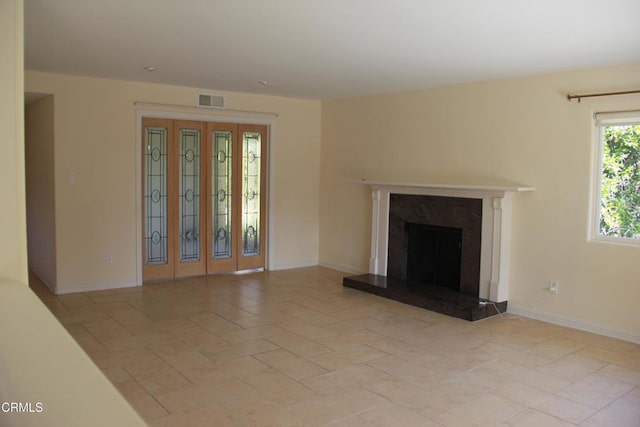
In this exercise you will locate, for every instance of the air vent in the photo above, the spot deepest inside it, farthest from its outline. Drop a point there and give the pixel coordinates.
(210, 100)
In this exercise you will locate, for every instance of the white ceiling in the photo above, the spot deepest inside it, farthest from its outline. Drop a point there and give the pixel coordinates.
(326, 49)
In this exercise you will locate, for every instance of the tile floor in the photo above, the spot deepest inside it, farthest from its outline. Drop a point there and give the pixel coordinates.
(292, 348)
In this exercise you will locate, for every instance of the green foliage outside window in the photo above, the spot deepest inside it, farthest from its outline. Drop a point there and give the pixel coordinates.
(620, 187)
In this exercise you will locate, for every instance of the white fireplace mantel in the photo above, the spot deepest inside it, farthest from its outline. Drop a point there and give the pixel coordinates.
(496, 227)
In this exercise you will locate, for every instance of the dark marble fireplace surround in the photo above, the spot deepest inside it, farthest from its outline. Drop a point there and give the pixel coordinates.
(463, 214)
(451, 212)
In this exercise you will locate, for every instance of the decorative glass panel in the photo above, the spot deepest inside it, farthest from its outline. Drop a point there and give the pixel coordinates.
(155, 195)
(221, 195)
(251, 159)
(189, 196)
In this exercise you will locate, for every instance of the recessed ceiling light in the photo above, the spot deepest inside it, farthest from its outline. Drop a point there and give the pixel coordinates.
(150, 69)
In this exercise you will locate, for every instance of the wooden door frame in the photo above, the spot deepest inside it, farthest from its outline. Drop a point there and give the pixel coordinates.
(257, 119)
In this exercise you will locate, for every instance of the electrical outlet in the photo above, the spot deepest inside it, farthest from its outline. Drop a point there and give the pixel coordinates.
(553, 287)
(108, 259)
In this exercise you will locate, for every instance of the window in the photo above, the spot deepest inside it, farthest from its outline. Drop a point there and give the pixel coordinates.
(617, 178)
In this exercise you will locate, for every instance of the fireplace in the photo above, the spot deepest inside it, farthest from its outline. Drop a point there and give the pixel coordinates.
(440, 247)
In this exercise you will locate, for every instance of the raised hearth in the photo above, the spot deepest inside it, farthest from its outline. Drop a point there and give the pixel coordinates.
(436, 298)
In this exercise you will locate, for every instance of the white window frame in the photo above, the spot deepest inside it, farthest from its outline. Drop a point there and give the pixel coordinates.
(601, 120)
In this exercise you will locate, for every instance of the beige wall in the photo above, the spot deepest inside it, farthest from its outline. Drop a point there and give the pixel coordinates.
(13, 249)
(95, 140)
(41, 226)
(520, 130)
(39, 361)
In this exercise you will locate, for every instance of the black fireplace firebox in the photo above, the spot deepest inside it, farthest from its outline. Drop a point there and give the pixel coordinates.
(433, 255)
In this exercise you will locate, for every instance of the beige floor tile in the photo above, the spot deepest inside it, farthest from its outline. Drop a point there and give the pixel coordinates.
(544, 382)
(180, 355)
(225, 369)
(623, 374)
(521, 393)
(468, 385)
(458, 343)
(405, 370)
(358, 311)
(263, 320)
(299, 345)
(514, 341)
(326, 409)
(620, 413)
(127, 315)
(250, 334)
(350, 339)
(486, 410)
(572, 367)
(391, 415)
(162, 381)
(104, 330)
(633, 396)
(532, 418)
(351, 376)
(139, 341)
(316, 305)
(564, 409)
(256, 410)
(411, 353)
(307, 330)
(214, 323)
(291, 364)
(596, 390)
(520, 357)
(555, 349)
(412, 336)
(352, 325)
(410, 396)
(627, 359)
(346, 357)
(190, 398)
(212, 415)
(241, 349)
(279, 387)
(352, 421)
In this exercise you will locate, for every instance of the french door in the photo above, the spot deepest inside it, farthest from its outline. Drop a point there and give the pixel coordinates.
(203, 197)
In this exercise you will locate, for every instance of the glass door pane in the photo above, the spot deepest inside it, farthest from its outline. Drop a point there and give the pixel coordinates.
(251, 193)
(155, 195)
(189, 196)
(222, 194)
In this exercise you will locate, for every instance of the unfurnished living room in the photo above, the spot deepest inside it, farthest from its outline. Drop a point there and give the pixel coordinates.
(329, 213)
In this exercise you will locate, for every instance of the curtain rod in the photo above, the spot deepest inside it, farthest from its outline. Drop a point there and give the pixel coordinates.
(194, 107)
(591, 95)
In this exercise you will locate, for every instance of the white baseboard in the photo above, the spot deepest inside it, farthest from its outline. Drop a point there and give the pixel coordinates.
(339, 267)
(573, 323)
(61, 290)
